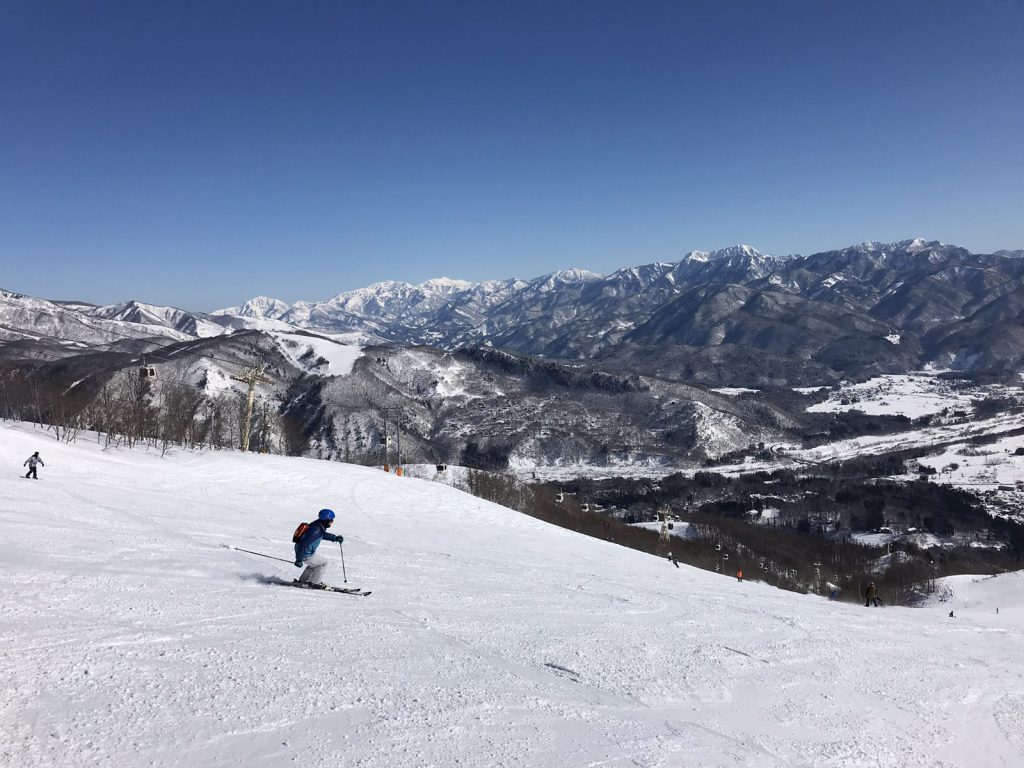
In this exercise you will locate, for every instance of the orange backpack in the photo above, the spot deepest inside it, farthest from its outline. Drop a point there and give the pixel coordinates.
(300, 532)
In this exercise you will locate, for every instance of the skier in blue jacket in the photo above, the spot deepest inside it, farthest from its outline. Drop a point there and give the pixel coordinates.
(305, 549)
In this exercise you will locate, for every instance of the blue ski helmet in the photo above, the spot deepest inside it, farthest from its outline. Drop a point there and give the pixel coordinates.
(326, 514)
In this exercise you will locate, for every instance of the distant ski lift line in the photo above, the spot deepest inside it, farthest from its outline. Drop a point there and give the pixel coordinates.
(208, 357)
(142, 359)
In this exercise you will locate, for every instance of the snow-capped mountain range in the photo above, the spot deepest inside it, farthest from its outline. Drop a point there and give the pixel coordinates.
(732, 316)
(837, 311)
(58, 329)
(453, 313)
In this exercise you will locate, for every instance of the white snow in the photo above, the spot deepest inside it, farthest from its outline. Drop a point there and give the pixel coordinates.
(446, 284)
(994, 465)
(718, 432)
(733, 391)
(978, 597)
(809, 390)
(131, 637)
(910, 395)
(832, 280)
(265, 324)
(875, 444)
(305, 351)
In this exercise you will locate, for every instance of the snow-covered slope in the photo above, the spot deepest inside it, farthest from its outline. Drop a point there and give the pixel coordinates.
(318, 354)
(259, 307)
(982, 597)
(130, 636)
(149, 314)
(26, 318)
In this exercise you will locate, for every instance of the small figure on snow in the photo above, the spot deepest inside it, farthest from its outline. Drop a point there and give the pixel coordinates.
(307, 538)
(872, 594)
(739, 575)
(31, 462)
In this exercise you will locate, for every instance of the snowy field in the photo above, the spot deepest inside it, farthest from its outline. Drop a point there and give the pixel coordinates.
(977, 466)
(911, 395)
(129, 636)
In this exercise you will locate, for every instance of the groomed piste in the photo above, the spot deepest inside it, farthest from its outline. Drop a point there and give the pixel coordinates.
(131, 636)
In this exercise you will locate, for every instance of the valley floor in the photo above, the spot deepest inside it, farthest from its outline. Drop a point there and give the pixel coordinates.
(129, 636)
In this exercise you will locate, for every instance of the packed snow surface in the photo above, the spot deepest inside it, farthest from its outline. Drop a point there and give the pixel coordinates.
(982, 596)
(130, 636)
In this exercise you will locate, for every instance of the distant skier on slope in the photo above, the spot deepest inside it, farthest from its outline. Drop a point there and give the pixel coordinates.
(31, 462)
(871, 594)
(307, 538)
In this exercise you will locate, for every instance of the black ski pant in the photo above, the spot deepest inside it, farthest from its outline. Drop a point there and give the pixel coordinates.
(32, 473)
(868, 602)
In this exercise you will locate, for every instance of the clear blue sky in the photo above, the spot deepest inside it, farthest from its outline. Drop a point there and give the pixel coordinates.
(201, 153)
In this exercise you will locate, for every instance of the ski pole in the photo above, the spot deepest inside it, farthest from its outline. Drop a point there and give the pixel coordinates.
(249, 551)
(345, 575)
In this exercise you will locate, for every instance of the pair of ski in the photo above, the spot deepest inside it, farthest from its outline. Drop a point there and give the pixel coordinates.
(355, 591)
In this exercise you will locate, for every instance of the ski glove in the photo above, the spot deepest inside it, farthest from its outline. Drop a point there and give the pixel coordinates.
(298, 563)
(341, 539)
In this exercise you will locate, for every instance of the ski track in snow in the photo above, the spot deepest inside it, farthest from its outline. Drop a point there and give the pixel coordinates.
(131, 636)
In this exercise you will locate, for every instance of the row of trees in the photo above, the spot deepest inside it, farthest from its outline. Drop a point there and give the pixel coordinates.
(315, 417)
(128, 409)
(822, 500)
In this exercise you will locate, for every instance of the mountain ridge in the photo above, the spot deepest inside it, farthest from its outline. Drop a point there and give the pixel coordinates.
(920, 290)
(734, 316)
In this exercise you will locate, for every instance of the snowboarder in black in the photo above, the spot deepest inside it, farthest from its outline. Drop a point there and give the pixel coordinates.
(32, 461)
(872, 594)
